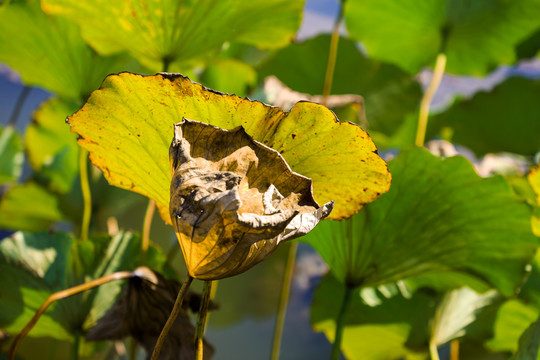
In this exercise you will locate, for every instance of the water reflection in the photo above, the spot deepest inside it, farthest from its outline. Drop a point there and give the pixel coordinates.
(243, 329)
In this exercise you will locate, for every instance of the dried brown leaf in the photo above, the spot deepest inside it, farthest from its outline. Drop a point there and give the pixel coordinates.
(233, 200)
(143, 309)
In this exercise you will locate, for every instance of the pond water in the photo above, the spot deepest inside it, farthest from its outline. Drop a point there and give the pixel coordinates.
(251, 336)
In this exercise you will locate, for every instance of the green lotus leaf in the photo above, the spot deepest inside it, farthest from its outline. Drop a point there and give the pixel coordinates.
(48, 51)
(504, 119)
(475, 35)
(158, 33)
(457, 310)
(389, 93)
(52, 150)
(29, 207)
(439, 215)
(127, 127)
(443, 281)
(529, 343)
(530, 47)
(11, 155)
(394, 328)
(230, 76)
(530, 291)
(513, 319)
(39, 264)
(34, 265)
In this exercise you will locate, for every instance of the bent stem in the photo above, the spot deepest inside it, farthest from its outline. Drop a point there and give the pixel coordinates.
(454, 349)
(172, 317)
(62, 295)
(332, 56)
(21, 99)
(87, 196)
(433, 352)
(283, 301)
(340, 323)
(147, 224)
(76, 345)
(203, 317)
(436, 78)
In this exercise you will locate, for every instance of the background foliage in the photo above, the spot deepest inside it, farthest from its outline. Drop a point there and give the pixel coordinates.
(445, 260)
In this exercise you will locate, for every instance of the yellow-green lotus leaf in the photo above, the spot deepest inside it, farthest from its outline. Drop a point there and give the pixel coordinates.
(127, 127)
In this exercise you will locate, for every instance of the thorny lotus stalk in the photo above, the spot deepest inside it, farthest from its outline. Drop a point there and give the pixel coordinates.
(234, 200)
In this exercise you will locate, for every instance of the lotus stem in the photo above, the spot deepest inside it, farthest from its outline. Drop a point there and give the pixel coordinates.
(433, 351)
(21, 99)
(425, 103)
(332, 56)
(147, 225)
(340, 323)
(62, 295)
(87, 196)
(203, 317)
(283, 301)
(454, 349)
(172, 317)
(76, 345)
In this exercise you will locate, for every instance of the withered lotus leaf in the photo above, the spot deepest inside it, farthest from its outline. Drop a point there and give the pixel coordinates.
(142, 310)
(234, 200)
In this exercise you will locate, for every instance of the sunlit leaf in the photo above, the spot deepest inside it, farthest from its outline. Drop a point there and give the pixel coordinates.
(456, 311)
(28, 207)
(513, 319)
(475, 35)
(34, 265)
(127, 126)
(396, 328)
(39, 264)
(11, 155)
(505, 119)
(229, 76)
(160, 32)
(439, 215)
(389, 93)
(52, 150)
(49, 52)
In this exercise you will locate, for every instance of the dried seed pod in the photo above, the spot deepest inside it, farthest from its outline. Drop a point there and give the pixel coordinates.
(234, 200)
